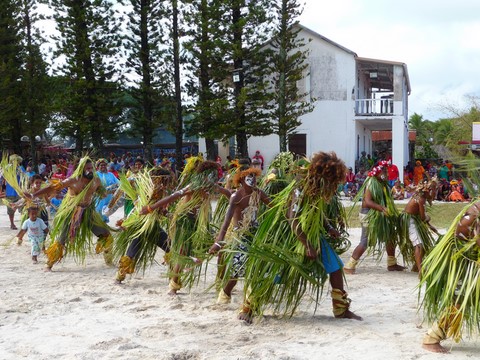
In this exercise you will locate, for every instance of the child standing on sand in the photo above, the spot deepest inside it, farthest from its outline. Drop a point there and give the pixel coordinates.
(36, 229)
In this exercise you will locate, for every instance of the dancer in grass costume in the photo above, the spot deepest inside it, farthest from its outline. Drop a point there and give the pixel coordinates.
(379, 219)
(293, 251)
(76, 218)
(137, 244)
(237, 231)
(415, 228)
(189, 229)
(451, 281)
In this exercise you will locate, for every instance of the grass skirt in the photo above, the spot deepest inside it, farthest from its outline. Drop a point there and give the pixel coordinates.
(451, 278)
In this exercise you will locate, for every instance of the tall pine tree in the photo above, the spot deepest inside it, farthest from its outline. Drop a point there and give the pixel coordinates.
(249, 29)
(287, 68)
(11, 92)
(208, 70)
(35, 79)
(89, 41)
(147, 61)
(175, 36)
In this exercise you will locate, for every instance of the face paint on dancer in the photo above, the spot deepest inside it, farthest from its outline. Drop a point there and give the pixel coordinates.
(250, 180)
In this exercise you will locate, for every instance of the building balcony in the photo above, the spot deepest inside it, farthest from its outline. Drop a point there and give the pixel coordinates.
(374, 107)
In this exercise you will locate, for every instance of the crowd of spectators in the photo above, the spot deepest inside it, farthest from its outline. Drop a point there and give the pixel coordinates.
(450, 185)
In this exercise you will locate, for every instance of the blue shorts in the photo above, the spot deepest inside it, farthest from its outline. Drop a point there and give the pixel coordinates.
(331, 261)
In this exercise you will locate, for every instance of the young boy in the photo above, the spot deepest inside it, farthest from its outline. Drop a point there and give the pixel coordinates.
(414, 222)
(36, 230)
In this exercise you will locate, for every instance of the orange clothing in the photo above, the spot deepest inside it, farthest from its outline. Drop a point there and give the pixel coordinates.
(455, 195)
(418, 172)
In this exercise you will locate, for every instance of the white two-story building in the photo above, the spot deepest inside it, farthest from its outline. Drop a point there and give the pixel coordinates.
(353, 97)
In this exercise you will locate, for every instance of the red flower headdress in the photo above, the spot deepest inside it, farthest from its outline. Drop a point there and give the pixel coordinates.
(378, 169)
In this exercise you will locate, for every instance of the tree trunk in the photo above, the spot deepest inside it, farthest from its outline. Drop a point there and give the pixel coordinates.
(146, 88)
(211, 151)
(282, 130)
(241, 135)
(178, 90)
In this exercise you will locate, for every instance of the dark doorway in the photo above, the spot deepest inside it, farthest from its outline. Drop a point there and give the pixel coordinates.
(297, 144)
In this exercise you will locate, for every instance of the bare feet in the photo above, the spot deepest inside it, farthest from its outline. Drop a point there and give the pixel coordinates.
(13, 227)
(48, 269)
(34, 260)
(396, 267)
(349, 271)
(349, 315)
(172, 292)
(246, 315)
(437, 348)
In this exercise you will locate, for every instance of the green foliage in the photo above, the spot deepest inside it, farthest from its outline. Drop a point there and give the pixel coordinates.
(287, 67)
(88, 42)
(148, 63)
(35, 81)
(205, 50)
(443, 131)
(248, 27)
(462, 129)
(425, 136)
(11, 86)
(450, 132)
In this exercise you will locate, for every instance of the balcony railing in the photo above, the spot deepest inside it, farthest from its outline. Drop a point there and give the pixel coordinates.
(374, 107)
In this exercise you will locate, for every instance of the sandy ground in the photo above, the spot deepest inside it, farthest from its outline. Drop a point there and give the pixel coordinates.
(78, 312)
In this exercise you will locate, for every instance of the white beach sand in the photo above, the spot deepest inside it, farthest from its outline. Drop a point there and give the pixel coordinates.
(78, 312)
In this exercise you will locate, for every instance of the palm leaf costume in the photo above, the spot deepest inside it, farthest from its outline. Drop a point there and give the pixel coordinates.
(424, 232)
(137, 244)
(74, 224)
(452, 285)
(412, 228)
(382, 229)
(19, 181)
(190, 230)
(279, 174)
(278, 272)
(15, 178)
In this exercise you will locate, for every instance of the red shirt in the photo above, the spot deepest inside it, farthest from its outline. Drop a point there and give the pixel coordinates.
(350, 177)
(58, 176)
(393, 172)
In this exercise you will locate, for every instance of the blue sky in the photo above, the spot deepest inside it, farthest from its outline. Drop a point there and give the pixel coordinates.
(438, 40)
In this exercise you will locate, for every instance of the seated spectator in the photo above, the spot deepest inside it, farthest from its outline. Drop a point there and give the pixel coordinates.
(349, 181)
(353, 191)
(398, 193)
(360, 177)
(455, 192)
